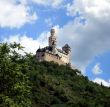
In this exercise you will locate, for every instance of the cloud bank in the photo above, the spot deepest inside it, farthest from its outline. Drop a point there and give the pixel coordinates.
(102, 81)
(87, 39)
(15, 14)
(30, 45)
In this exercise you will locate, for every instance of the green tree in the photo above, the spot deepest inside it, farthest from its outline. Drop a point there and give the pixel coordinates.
(14, 84)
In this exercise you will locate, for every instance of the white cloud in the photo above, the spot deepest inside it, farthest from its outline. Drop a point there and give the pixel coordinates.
(30, 44)
(96, 69)
(86, 41)
(95, 8)
(102, 81)
(14, 14)
(91, 39)
(52, 3)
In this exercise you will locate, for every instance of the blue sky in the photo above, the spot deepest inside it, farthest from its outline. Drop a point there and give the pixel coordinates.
(83, 24)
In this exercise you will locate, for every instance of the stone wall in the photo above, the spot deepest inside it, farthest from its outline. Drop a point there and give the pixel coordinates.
(50, 57)
(41, 56)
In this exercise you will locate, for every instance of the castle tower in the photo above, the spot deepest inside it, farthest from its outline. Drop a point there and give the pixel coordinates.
(66, 48)
(52, 53)
(52, 39)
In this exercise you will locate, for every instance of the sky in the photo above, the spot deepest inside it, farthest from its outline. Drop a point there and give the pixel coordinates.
(83, 24)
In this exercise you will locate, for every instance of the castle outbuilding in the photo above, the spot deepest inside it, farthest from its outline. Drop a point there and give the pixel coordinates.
(52, 53)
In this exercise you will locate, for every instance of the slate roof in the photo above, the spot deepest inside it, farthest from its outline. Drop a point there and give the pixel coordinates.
(67, 46)
(48, 48)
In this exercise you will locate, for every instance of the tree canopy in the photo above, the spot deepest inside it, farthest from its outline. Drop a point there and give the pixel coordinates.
(25, 82)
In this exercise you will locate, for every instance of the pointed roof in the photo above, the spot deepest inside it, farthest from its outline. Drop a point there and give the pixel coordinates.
(66, 46)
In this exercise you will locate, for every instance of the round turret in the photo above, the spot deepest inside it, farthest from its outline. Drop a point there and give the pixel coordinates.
(52, 38)
(52, 32)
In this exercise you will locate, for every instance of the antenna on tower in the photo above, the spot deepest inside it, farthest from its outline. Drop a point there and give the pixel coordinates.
(39, 46)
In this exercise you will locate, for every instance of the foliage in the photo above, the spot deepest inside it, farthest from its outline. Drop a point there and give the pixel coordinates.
(25, 82)
(14, 83)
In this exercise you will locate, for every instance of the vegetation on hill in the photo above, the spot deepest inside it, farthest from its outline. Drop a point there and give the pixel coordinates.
(25, 82)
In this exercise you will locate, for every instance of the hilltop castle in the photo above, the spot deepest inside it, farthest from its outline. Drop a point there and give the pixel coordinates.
(52, 53)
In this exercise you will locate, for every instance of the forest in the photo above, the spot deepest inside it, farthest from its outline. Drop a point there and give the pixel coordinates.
(25, 82)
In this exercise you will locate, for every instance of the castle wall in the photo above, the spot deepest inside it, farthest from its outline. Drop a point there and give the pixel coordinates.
(40, 56)
(64, 58)
(44, 56)
(50, 57)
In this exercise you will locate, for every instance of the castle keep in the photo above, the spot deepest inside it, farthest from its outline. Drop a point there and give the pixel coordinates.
(52, 53)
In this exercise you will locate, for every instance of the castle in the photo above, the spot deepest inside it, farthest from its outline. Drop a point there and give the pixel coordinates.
(52, 53)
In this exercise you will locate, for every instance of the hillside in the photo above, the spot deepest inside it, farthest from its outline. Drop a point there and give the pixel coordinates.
(25, 82)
